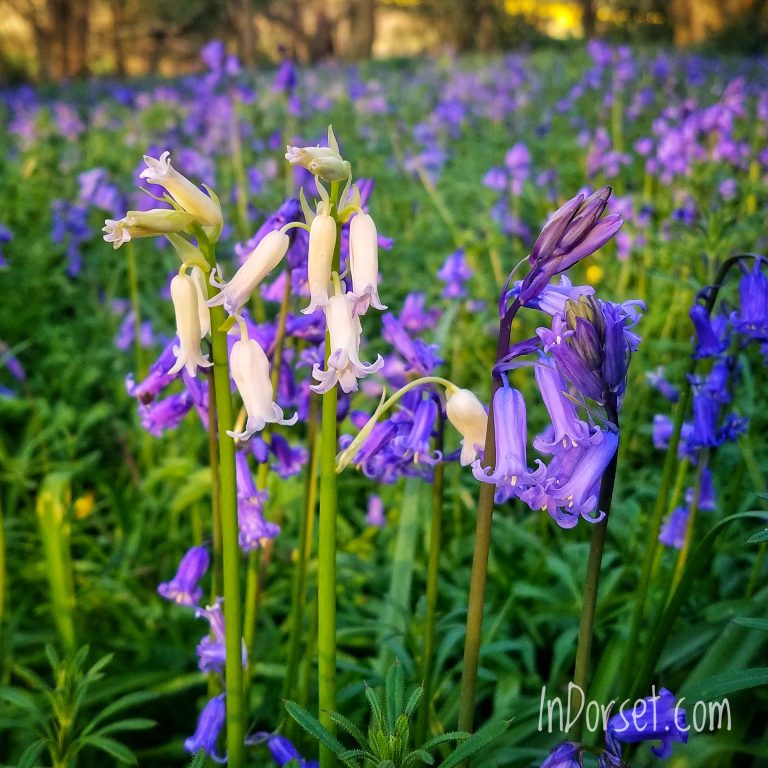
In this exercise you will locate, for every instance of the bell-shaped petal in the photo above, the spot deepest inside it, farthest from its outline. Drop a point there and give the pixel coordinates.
(209, 727)
(189, 196)
(364, 262)
(250, 370)
(324, 162)
(344, 365)
(568, 429)
(158, 221)
(322, 241)
(184, 294)
(468, 416)
(259, 263)
(183, 588)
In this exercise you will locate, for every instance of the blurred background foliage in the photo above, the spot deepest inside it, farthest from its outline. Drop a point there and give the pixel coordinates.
(61, 39)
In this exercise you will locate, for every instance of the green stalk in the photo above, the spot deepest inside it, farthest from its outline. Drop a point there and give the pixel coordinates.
(3, 573)
(589, 605)
(233, 671)
(682, 556)
(52, 502)
(398, 602)
(433, 573)
(299, 582)
(326, 561)
(217, 577)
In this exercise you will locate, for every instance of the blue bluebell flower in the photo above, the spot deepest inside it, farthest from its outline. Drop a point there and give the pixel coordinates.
(751, 318)
(454, 274)
(566, 755)
(283, 751)
(672, 533)
(183, 588)
(209, 726)
(568, 429)
(711, 333)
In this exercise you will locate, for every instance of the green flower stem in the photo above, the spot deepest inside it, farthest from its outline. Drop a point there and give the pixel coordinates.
(258, 559)
(217, 577)
(3, 572)
(753, 468)
(482, 549)
(326, 576)
(589, 605)
(433, 573)
(233, 671)
(682, 556)
(670, 462)
(299, 581)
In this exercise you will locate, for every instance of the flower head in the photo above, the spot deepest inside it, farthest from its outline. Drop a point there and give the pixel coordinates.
(183, 588)
(364, 262)
(566, 755)
(209, 726)
(190, 198)
(324, 162)
(752, 316)
(322, 241)
(468, 415)
(185, 296)
(158, 221)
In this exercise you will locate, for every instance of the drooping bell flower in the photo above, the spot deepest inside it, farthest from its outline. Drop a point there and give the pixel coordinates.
(283, 752)
(344, 365)
(324, 162)
(415, 445)
(253, 529)
(707, 494)
(187, 195)
(752, 316)
(705, 415)
(364, 263)
(322, 241)
(209, 727)
(566, 755)
(250, 370)
(711, 333)
(212, 650)
(568, 429)
(577, 496)
(135, 224)
(656, 717)
(672, 533)
(204, 313)
(261, 261)
(183, 588)
(511, 432)
(185, 302)
(158, 416)
(420, 356)
(468, 416)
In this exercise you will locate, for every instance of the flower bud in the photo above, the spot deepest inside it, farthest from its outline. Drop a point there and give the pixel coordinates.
(158, 221)
(324, 162)
(189, 196)
(185, 301)
(322, 241)
(468, 415)
(364, 262)
(259, 263)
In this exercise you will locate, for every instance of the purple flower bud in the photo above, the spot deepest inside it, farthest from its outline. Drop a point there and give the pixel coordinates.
(209, 726)
(655, 717)
(183, 588)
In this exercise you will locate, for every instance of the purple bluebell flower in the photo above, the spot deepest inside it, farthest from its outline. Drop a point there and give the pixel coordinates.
(209, 727)
(566, 755)
(752, 316)
(552, 298)
(375, 515)
(656, 379)
(707, 494)
(254, 530)
(289, 461)
(283, 752)
(511, 435)
(655, 717)
(161, 415)
(672, 533)
(415, 445)
(5, 237)
(518, 161)
(183, 588)
(454, 274)
(11, 363)
(705, 415)
(568, 429)
(414, 316)
(211, 650)
(421, 357)
(711, 335)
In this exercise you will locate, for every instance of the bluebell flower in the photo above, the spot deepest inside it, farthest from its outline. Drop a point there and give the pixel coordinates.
(420, 356)
(414, 316)
(161, 415)
(566, 755)
(711, 333)
(254, 529)
(415, 445)
(568, 429)
(289, 461)
(183, 588)
(707, 494)
(752, 316)
(209, 727)
(672, 533)
(511, 432)
(454, 273)
(705, 416)
(656, 379)
(212, 650)
(655, 717)
(283, 752)
(375, 515)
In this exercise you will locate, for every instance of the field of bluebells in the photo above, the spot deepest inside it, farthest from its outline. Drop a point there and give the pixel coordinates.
(365, 451)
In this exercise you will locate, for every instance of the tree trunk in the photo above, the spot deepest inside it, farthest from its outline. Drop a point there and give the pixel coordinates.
(362, 17)
(588, 17)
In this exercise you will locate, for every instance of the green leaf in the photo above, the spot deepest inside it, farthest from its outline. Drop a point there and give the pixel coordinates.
(124, 702)
(131, 724)
(393, 694)
(199, 760)
(314, 727)
(759, 537)
(480, 740)
(350, 728)
(444, 737)
(414, 701)
(30, 755)
(351, 755)
(375, 704)
(761, 624)
(111, 747)
(730, 682)
(22, 701)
